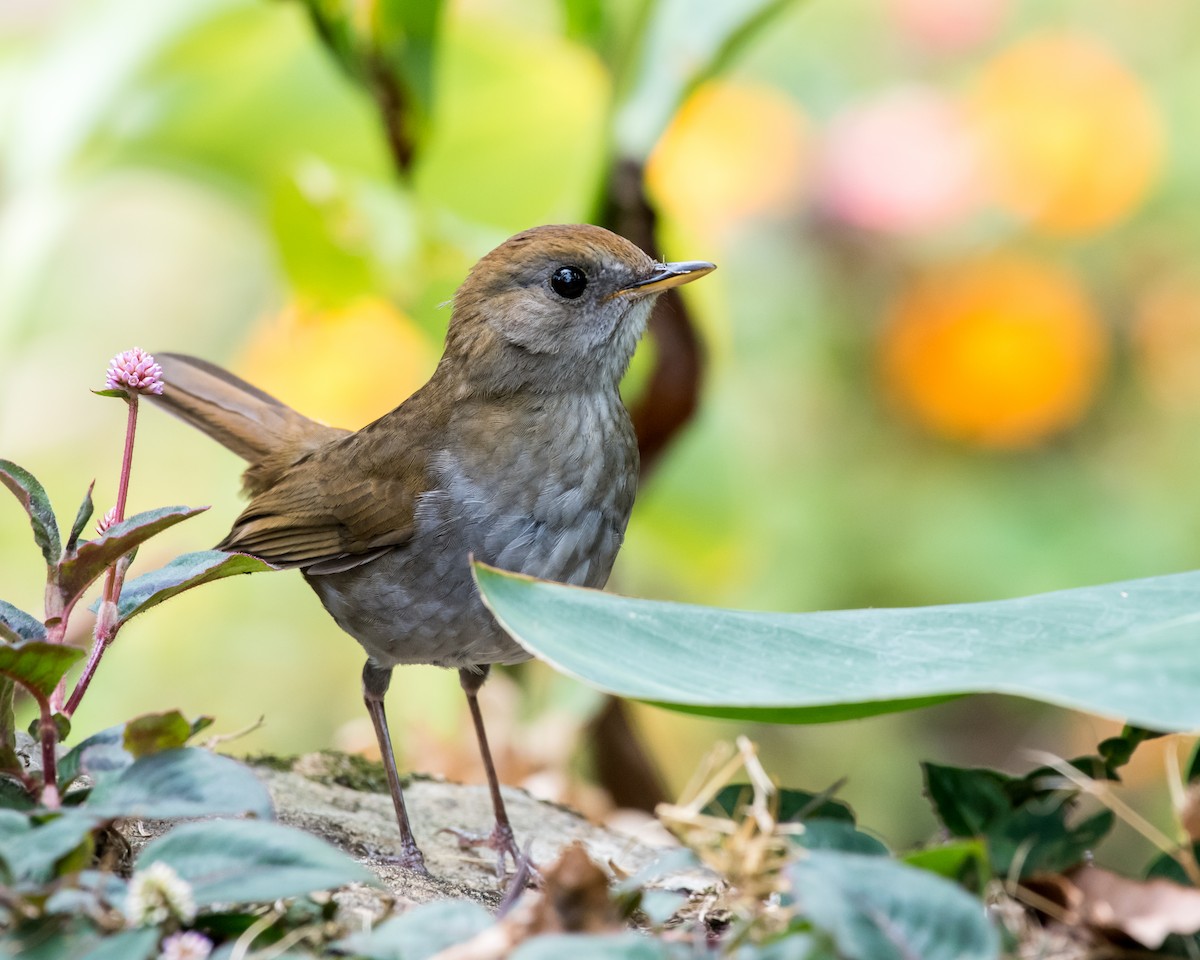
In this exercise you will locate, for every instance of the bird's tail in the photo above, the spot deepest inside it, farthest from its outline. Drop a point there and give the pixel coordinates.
(258, 428)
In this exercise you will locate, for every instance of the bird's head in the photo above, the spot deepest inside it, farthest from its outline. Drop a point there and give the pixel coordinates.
(557, 307)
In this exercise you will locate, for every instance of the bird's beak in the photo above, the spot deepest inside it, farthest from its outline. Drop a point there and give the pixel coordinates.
(666, 275)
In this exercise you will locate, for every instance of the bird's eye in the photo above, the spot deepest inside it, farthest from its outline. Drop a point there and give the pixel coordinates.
(569, 282)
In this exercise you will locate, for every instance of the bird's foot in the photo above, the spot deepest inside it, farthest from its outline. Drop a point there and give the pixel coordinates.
(409, 858)
(501, 840)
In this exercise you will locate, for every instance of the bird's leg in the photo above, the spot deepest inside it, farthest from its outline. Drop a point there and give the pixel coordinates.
(501, 838)
(375, 683)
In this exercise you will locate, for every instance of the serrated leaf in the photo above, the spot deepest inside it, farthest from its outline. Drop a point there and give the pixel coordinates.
(36, 665)
(17, 625)
(32, 496)
(966, 801)
(77, 572)
(249, 861)
(875, 908)
(421, 932)
(84, 514)
(1124, 649)
(183, 573)
(185, 782)
(155, 732)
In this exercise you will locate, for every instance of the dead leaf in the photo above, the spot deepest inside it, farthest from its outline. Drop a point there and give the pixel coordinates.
(1145, 910)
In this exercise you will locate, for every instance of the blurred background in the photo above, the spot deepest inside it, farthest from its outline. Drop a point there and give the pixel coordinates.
(952, 352)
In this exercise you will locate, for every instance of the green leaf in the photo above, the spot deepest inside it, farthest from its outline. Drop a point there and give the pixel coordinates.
(17, 625)
(1166, 867)
(397, 38)
(81, 517)
(967, 801)
(30, 849)
(155, 732)
(117, 393)
(32, 495)
(100, 756)
(127, 945)
(1125, 649)
(421, 932)
(36, 665)
(250, 861)
(13, 795)
(76, 572)
(965, 862)
(186, 782)
(875, 908)
(1036, 838)
(183, 573)
(579, 946)
(685, 43)
(821, 834)
(793, 805)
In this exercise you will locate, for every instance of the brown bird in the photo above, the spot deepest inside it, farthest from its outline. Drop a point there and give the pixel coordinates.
(518, 451)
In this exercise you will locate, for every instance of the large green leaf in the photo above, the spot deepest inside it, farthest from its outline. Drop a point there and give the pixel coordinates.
(37, 665)
(32, 496)
(183, 573)
(875, 908)
(250, 861)
(1127, 650)
(421, 932)
(76, 572)
(185, 782)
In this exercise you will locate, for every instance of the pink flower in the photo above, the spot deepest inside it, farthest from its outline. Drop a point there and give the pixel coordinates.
(186, 946)
(135, 371)
(904, 162)
(106, 521)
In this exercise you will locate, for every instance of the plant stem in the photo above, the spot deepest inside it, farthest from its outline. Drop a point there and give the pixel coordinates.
(107, 622)
(49, 736)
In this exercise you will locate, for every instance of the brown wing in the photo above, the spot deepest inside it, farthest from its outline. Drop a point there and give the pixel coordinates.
(346, 502)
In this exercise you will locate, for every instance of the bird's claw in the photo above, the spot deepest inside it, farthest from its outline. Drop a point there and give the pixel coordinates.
(501, 840)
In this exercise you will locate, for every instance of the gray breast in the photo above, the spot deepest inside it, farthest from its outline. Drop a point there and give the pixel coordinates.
(551, 502)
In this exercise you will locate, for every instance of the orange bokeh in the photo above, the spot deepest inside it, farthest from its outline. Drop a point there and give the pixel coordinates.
(1002, 352)
(344, 367)
(1166, 340)
(734, 150)
(1074, 141)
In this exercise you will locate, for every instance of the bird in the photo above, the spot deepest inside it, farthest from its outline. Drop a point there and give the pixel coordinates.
(518, 452)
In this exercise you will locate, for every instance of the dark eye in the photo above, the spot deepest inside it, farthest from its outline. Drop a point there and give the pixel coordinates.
(569, 282)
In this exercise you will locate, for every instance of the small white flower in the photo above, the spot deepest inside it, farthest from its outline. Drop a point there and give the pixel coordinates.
(186, 946)
(157, 893)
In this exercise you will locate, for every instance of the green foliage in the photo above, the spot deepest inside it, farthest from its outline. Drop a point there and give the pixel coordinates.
(874, 908)
(248, 861)
(420, 933)
(181, 574)
(1123, 649)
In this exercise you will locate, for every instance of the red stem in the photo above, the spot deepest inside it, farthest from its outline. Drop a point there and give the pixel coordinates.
(49, 733)
(106, 619)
